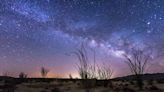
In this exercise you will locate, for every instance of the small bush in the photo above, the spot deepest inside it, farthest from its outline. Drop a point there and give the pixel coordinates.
(160, 81)
(78, 84)
(153, 88)
(150, 82)
(111, 85)
(56, 90)
(43, 91)
(126, 85)
(126, 89)
(22, 75)
(117, 89)
(9, 88)
(105, 90)
(88, 84)
(132, 82)
(68, 88)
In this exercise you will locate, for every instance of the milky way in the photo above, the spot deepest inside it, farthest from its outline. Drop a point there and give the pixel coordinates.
(35, 33)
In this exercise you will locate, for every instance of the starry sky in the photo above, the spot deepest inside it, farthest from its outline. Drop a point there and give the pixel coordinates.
(36, 33)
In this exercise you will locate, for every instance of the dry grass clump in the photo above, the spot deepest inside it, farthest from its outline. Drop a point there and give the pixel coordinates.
(160, 81)
(56, 90)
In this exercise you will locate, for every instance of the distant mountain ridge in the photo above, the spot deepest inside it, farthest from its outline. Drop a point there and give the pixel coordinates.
(6, 77)
(148, 76)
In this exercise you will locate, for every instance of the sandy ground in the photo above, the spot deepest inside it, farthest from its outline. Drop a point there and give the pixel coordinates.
(76, 86)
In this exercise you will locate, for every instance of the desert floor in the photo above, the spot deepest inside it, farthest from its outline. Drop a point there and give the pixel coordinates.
(78, 86)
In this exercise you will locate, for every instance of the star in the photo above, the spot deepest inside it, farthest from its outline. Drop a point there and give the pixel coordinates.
(148, 23)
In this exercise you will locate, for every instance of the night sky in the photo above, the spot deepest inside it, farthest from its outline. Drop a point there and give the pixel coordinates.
(36, 33)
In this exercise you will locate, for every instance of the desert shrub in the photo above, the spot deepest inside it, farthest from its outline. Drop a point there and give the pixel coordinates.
(150, 82)
(126, 85)
(126, 89)
(60, 84)
(78, 84)
(88, 84)
(117, 89)
(43, 91)
(137, 63)
(139, 82)
(123, 88)
(70, 76)
(9, 88)
(123, 81)
(132, 82)
(46, 88)
(98, 84)
(22, 75)
(56, 90)
(105, 90)
(160, 81)
(106, 83)
(153, 88)
(111, 84)
(68, 88)
(44, 72)
(89, 71)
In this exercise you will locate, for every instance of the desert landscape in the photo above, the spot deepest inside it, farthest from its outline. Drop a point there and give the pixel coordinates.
(81, 45)
(152, 83)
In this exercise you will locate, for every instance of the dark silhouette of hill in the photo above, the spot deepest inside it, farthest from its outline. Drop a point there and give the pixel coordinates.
(6, 78)
(154, 76)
